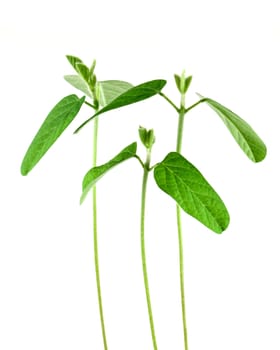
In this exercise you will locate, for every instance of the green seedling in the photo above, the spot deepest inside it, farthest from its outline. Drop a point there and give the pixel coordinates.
(175, 175)
(182, 181)
(194, 197)
(100, 97)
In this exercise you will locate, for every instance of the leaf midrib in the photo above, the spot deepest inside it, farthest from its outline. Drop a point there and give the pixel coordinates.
(193, 194)
(229, 121)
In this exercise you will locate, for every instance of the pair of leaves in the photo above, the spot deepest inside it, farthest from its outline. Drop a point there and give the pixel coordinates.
(114, 94)
(179, 179)
(182, 82)
(245, 136)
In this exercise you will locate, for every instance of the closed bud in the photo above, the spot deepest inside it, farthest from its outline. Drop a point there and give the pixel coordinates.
(182, 82)
(147, 137)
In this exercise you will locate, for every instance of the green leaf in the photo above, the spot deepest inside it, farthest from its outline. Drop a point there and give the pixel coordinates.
(53, 126)
(73, 60)
(183, 182)
(245, 136)
(94, 174)
(92, 67)
(178, 81)
(79, 83)
(133, 95)
(83, 71)
(187, 83)
(111, 89)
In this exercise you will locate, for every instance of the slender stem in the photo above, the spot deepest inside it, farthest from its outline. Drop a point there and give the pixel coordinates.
(95, 238)
(89, 104)
(180, 130)
(143, 252)
(169, 101)
(140, 160)
(195, 104)
(182, 113)
(182, 283)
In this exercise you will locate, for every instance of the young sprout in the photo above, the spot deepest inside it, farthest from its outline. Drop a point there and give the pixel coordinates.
(174, 175)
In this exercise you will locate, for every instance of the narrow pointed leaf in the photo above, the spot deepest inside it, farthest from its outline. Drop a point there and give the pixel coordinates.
(178, 81)
(187, 83)
(183, 182)
(79, 83)
(53, 126)
(135, 94)
(92, 67)
(111, 89)
(83, 70)
(245, 136)
(94, 174)
(73, 60)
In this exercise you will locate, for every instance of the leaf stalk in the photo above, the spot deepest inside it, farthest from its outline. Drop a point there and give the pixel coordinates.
(169, 101)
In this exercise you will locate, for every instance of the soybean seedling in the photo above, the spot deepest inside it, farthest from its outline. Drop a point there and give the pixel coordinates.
(214, 217)
(182, 181)
(198, 202)
(175, 175)
(100, 97)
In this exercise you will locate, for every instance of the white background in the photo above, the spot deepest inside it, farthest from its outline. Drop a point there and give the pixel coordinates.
(47, 286)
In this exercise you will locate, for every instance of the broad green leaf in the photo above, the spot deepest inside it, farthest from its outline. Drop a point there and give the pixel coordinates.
(73, 60)
(245, 136)
(94, 174)
(133, 95)
(110, 89)
(79, 83)
(183, 182)
(53, 126)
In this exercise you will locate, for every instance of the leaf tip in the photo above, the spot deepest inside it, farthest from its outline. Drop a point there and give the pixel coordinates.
(82, 198)
(262, 156)
(23, 171)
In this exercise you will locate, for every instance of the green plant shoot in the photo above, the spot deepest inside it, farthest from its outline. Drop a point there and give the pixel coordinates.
(174, 175)
(104, 96)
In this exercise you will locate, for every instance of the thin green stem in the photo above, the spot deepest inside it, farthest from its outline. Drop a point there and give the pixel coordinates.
(182, 282)
(140, 160)
(195, 104)
(169, 101)
(143, 252)
(180, 130)
(95, 238)
(182, 113)
(89, 104)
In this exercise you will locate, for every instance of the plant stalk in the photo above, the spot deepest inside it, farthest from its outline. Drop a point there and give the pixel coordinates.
(143, 252)
(95, 238)
(182, 113)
